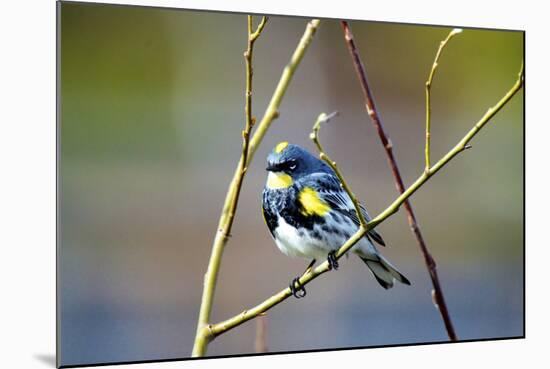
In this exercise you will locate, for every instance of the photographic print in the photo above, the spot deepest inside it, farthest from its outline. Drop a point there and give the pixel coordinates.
(239, 184)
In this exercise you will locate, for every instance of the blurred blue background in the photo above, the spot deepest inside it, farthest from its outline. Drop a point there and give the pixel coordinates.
(152, 106)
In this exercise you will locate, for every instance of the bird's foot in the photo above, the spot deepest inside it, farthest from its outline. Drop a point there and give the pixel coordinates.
(332, 261)
(297, 289)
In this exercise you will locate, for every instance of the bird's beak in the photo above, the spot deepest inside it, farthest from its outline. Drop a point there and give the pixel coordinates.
(271, 168)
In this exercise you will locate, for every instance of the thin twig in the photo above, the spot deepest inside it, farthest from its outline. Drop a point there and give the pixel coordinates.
(435, 64)
(314, 136)
(272, 110)
(249, 120)
(211, 331)
(386, 142)
(230, 204)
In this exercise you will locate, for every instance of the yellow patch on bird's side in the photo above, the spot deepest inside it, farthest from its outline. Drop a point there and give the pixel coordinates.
(280, 147)
(278, 180)
(311, 203)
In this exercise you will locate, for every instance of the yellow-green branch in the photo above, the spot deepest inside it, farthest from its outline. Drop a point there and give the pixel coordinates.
(209, 332)
(435, 64)
(231, 199)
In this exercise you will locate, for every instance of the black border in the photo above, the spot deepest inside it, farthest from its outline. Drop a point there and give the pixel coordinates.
(58, 4)
(57, 180)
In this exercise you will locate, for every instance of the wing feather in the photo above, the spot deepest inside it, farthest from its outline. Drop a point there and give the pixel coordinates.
(330, 190)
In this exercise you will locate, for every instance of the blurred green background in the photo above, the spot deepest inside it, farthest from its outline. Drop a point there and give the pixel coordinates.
(152, 105)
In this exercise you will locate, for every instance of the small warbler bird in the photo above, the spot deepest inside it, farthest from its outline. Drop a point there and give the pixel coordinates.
(310, 215)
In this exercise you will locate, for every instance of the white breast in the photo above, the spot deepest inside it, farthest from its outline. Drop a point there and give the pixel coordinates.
(292, 243)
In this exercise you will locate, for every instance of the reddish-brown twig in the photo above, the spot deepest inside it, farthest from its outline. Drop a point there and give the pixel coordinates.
(437, 292)
(260, 344)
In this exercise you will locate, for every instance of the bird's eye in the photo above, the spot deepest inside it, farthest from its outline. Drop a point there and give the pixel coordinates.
(292, 165)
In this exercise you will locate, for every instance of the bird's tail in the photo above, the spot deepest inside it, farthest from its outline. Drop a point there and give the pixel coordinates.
(383, 271)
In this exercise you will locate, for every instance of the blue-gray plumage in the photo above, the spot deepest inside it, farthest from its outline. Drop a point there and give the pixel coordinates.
(310, 215)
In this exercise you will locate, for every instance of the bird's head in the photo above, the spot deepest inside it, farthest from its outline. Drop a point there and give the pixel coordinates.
(287, 163)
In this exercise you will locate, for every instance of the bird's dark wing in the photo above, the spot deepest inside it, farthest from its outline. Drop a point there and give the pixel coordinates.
(330, 190)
